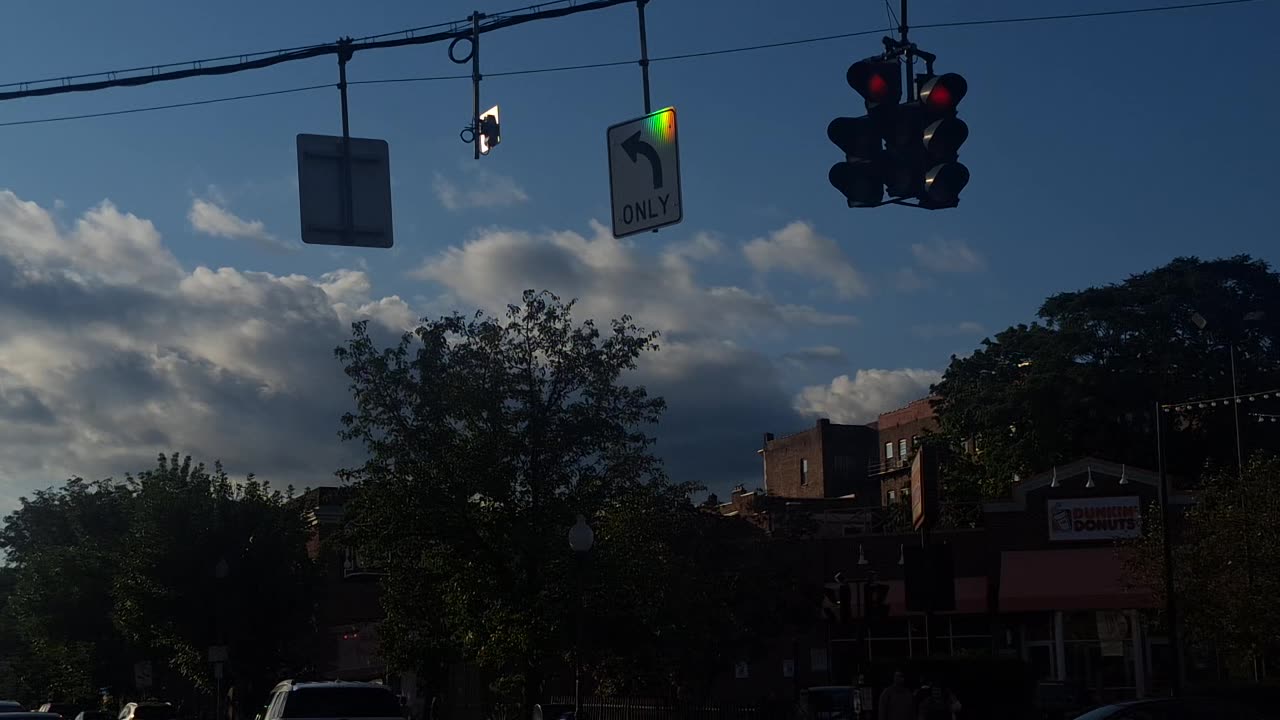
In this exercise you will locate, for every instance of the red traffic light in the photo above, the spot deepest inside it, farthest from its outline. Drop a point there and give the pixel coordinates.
(877, 81)
(943, 93)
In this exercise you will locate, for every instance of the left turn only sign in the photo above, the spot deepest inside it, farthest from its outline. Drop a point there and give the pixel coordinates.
(644, 173)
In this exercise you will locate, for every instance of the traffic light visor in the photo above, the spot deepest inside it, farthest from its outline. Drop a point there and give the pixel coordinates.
(877, 81)
(944, 92)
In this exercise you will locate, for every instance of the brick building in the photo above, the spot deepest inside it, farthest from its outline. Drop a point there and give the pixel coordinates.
(826, 461)
(899, 435)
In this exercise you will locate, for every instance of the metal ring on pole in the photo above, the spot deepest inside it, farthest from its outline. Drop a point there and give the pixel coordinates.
(468, 135)
(471, 49)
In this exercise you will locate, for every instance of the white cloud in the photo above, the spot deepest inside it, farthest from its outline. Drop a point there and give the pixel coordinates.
(478, 188)
(113, 352)
(211, 218)
(947, 256)
(798, 248)
(864, 396)
(930, 331)
(610, 278)
(720, 394)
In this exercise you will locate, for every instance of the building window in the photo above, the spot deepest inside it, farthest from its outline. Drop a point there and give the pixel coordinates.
(915, 441)
(892, 496)
(906, 492)
(902, 448)
(888, 451)
(804, 471)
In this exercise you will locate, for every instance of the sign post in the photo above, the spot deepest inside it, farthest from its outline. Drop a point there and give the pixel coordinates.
(644, 173)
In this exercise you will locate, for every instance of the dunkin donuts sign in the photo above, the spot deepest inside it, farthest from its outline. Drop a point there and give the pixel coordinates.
(1094, 518)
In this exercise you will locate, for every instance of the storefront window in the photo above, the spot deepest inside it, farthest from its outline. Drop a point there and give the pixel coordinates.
(1040, 658)
(1079, 626)
(890, 649)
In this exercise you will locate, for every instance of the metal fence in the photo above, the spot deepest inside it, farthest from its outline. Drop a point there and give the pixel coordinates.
(624, 708)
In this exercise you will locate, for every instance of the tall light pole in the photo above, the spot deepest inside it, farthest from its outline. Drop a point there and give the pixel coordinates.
(581, 538)
(1201, 323)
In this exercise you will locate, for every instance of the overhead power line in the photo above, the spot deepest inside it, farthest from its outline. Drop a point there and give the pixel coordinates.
(608, 64)
(264, 60)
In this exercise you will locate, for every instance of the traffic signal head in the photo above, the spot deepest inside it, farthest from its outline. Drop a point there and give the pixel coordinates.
(859, 178)
(879, 82)
(489, 133)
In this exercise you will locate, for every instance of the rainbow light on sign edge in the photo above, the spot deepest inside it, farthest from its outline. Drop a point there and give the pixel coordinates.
(662, 125)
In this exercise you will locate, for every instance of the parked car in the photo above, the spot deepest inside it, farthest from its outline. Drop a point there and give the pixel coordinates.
(11, 706)
(149, 710)
(29, 715)
(93, 715)
(66, 710)
(553, 711)
(1173, 709)
(293, 700)
(828, 702)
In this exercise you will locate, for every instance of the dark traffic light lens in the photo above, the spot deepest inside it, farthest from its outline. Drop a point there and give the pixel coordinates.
(943, 138)
(859, 182)
(942, 185)
(857, 137)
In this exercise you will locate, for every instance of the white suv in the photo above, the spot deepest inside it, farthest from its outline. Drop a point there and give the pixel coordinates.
(292, 700)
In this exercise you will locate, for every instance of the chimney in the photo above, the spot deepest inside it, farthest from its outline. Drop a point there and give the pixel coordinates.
(739, 490)
(824, 421)
(768, 438)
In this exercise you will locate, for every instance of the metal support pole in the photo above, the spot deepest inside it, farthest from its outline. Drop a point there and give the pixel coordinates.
(1235, 410)
(577, 643)
(348, 202)
(910, 57)
(644, 55)
(1166, 532)
(475, 79)
(925, 542)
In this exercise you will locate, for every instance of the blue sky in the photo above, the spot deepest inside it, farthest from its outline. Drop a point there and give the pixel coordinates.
(1098, 148)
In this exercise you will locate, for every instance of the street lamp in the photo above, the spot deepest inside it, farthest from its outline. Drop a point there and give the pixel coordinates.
(581, 538)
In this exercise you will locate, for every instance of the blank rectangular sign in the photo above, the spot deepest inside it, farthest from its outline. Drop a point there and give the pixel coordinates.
(320, 192)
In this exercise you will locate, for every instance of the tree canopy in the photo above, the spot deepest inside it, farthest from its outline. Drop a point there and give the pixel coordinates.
(156, 567)
(1086, 377)
(1226, 561)
(486, 437)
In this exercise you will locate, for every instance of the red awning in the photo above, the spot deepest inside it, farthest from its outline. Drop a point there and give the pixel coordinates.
(971, 596)
(1076, 579)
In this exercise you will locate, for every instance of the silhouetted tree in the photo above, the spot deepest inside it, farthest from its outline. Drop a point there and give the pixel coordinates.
(486, 437)
(1085, 379)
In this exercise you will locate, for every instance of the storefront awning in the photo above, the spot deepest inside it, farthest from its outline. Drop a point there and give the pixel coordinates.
(1075, 579)
(971, 596)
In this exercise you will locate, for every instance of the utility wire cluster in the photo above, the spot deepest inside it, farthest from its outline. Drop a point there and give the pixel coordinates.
(439, 32)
